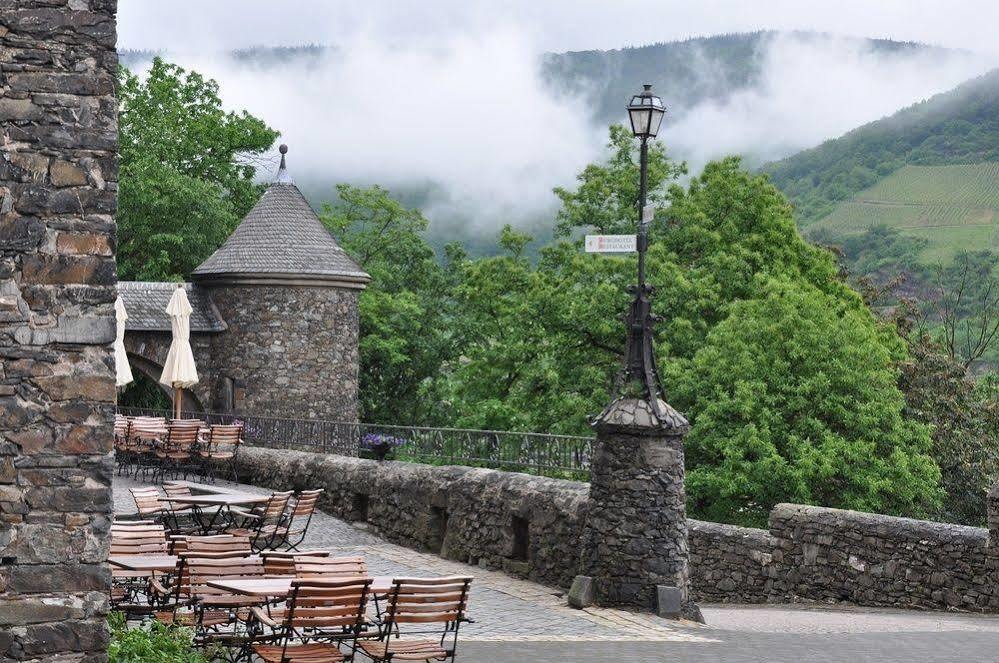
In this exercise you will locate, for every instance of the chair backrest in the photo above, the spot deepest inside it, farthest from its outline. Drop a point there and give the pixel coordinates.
(330, 567)
(147, 500)
(228, 434)
(282, 563)
(183, 432)
(147, 429)
(173, 490)
(327, 604)
(196, 572)
(138, 542)
(426, 600)
(219, 543)
(120, 427)
(275, 507)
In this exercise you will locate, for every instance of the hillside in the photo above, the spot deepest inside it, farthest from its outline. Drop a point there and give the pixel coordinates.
(685, 72)
(945, 208)
(956, 127)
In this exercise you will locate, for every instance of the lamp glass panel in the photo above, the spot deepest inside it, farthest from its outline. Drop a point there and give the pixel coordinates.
(655, 119)
(640, 120)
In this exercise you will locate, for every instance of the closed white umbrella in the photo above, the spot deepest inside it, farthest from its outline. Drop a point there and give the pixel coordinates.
(179, 370)
(123, 372)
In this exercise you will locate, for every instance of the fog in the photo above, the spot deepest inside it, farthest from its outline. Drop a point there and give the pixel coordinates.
(814, 88)
(468, 118)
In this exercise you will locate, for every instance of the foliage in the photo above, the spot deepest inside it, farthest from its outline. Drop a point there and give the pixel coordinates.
(606, 199)
(793, 398)
(186, 171)
(736, 284)
(153, 642)
(964, 419)
(405, 312)
(960, 126)
(966, 306)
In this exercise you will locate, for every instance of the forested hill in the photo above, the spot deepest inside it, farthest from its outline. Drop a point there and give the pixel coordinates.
(956, 127)
(685, 72)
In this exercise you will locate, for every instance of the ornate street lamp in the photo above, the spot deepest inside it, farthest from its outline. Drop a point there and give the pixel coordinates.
(646, 112)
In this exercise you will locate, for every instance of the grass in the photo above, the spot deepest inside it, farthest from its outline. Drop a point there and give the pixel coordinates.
(956, 208)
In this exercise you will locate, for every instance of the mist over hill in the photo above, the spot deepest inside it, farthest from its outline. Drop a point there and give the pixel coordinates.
(478, 129)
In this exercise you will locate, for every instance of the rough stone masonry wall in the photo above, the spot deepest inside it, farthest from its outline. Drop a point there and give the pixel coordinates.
(291, 351)
(531, 526)
(58, 174)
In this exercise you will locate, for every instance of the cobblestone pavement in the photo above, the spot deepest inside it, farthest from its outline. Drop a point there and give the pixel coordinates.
(523, 621)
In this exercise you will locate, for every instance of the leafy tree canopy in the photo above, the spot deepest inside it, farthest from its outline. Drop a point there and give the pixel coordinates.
(186, 171)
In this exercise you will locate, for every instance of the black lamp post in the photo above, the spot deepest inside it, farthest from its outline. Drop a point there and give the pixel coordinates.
(646, 112)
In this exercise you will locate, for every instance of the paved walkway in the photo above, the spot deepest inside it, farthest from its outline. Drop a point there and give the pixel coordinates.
(523, 621)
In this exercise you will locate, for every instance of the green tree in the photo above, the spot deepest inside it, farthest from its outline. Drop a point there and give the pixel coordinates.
(793, 397)
(404, 313)
(186, 171)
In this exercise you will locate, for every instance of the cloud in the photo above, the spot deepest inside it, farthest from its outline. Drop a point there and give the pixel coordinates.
(814, 88)
(469, 117)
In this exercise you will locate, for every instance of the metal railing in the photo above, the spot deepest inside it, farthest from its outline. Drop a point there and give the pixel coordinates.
(563, 456)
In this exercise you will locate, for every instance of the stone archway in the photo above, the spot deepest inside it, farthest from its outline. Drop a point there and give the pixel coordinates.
(152, 370)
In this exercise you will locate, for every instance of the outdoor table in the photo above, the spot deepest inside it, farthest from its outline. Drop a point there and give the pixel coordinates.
(281, 587)
(222, 500)
(165, 563)
(203, 488)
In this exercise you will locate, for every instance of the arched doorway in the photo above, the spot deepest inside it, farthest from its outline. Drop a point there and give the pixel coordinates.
(147, 392)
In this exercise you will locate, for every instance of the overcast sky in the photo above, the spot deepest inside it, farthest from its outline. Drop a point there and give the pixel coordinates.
(552, 25)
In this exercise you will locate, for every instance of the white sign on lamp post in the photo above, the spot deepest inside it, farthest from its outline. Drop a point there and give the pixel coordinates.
(611, 243)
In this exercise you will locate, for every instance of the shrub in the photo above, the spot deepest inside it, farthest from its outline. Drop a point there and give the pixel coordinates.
(152, 642)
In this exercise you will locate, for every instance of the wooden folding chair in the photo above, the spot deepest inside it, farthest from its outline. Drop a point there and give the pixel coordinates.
(214, 614)
(219, 446)
(300, 517)
(177, 453)
(421, 606)
(264, 525)
(129, 589)
(322, 616)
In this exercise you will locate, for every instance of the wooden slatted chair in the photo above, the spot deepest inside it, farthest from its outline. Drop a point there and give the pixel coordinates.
(321, 615)
(149, 505)
(219, 544)
(122, 452)
(213, 613)
(220, 447)
(178, 453)
(129, 588)
(145, 436)
(293, 533)
(282, 562)
(264, 525)
(421, 606)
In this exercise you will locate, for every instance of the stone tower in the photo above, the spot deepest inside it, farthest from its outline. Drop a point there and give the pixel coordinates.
(288, 293)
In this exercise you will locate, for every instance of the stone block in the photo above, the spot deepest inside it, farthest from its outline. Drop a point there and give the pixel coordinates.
(65, 173)
(669, 601)
(581, 594)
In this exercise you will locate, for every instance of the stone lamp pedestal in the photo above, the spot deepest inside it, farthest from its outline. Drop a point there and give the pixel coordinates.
(634, 549)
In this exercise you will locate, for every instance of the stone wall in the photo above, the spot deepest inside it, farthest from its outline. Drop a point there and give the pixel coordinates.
(58, 174)
(289, 351)
(532, 527)
(730, 564)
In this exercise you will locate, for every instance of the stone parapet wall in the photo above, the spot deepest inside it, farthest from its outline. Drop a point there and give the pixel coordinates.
(527, 525)
(58, 187)
(532, 527)
(834, 555)
(731, 564)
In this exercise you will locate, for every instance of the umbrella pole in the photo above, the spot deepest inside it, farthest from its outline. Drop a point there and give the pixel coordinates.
(177, 397)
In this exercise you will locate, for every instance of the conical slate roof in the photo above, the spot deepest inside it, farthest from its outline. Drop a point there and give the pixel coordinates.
(282, 240)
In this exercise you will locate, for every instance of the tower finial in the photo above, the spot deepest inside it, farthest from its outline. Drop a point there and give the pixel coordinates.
(282, 174)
